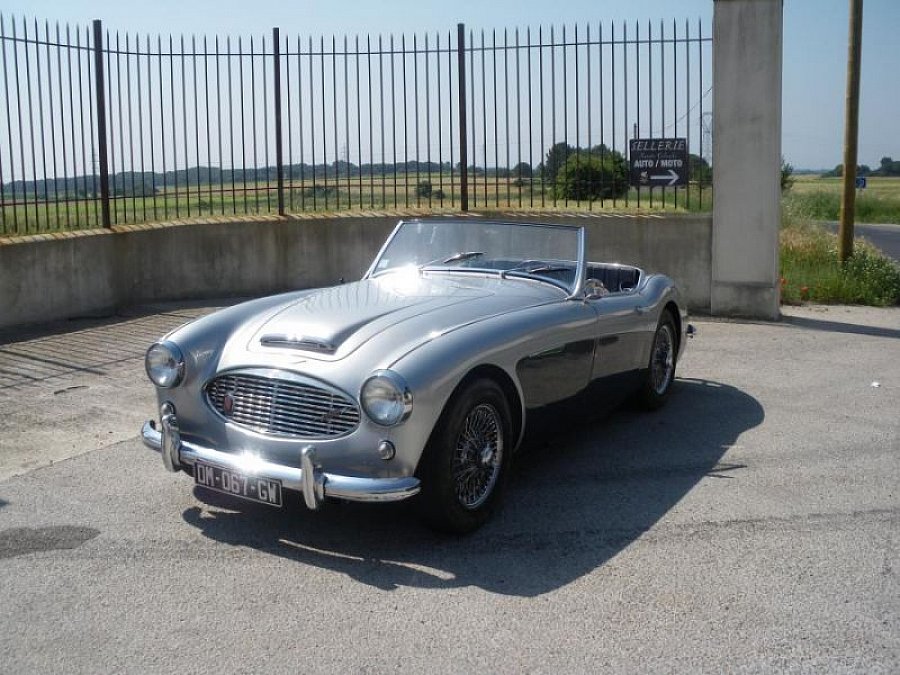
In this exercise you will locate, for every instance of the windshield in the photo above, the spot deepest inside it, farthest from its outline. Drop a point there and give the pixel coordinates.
(544, 252)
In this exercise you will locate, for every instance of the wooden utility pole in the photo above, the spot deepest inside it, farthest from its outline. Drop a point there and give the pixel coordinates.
(851, 132)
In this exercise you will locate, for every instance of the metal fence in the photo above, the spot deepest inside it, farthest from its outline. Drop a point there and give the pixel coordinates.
(100, 128)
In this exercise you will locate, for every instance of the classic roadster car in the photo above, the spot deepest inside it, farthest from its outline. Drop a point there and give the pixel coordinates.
(421, 379)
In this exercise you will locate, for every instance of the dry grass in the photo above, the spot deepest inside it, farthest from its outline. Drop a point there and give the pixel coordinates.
(818, 198)
(811, 270)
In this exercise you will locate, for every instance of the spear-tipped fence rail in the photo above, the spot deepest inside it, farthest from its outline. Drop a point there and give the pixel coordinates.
(99, 128)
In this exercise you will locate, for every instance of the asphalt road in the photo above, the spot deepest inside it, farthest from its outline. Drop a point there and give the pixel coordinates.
(885, 237)
(751, 525)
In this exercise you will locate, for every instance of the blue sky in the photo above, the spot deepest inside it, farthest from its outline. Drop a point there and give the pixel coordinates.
(815, 45)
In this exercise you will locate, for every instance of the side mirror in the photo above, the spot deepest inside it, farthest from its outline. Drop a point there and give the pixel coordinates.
(594, 289)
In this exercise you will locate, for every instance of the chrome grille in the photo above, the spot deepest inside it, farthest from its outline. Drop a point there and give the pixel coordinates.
(282, 407)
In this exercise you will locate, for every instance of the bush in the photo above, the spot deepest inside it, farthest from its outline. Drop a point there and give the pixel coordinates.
(787, 176)
(438, 194)
(587, 177)
(811, 270)
(423, 189)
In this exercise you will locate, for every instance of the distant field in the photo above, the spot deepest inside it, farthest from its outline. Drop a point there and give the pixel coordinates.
(810, 198)
(818, 198)
(376, 193)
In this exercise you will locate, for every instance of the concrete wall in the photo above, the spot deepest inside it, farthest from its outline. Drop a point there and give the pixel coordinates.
(747, 39)
(731, 269)
(67, 275)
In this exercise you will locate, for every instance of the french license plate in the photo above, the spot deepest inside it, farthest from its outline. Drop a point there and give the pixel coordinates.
(253, 488)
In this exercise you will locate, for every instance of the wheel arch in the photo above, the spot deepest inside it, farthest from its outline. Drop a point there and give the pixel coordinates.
(509, 388)
(672, 308)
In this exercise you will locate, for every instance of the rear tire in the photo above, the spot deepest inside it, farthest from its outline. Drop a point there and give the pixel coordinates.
(464, 465)
(656, 384)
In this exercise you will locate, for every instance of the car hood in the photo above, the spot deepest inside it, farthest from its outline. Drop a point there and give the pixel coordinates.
(332, 323)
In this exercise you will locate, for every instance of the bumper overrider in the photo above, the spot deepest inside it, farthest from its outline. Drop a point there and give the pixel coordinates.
(309, 479)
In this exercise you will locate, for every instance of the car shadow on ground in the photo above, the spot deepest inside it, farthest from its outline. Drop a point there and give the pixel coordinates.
(570, 507)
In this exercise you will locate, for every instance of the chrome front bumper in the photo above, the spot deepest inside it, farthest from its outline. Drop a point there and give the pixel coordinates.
(314, 483)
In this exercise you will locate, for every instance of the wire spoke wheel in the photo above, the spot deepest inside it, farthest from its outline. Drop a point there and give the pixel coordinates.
(477, 456)
(662, 364)
(463, 468)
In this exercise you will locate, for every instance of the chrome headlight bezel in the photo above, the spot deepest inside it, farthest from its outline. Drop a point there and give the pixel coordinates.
(388, 390)
(164, 363)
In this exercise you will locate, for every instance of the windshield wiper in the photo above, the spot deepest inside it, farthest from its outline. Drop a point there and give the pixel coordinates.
(463, 255)
(541, 268)
(456, 257)
(548, 268)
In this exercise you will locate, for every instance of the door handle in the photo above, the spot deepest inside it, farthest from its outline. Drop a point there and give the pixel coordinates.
(641, 309)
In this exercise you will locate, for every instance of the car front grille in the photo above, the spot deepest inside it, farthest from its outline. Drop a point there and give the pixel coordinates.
(282, 407)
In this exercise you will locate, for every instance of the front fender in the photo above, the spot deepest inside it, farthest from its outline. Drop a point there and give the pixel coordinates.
(436, 368)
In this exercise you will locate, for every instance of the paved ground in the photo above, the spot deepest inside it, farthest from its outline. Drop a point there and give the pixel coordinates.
(753, 524)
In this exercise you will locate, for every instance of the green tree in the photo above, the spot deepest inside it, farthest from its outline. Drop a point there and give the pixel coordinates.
(861, 170)
(586, 177)
(603, 150)
(889, 167)
(556, 157)
(699, 170)
(522, 170)
(787, 175)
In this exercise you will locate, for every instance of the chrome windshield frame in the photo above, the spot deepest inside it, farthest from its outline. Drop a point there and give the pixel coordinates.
(387, 242)
(580, 268)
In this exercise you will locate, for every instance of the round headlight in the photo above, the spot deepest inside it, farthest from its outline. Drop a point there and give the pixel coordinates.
(165, 364)
(385, 398)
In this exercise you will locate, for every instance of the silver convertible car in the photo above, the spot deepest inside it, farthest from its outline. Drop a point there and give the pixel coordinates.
(422, 379)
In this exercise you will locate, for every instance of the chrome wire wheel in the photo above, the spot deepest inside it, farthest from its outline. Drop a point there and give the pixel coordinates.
(477, 456)
(662, 365)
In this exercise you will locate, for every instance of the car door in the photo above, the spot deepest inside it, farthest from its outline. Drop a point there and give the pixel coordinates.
(618, 351)
(558, 360)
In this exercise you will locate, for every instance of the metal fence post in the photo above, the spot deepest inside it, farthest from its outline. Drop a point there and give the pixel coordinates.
(101, 123)
(463, 135)
(279, 159)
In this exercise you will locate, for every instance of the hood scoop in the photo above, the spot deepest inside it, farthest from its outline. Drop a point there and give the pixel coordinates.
(333, 322)
(297, 342)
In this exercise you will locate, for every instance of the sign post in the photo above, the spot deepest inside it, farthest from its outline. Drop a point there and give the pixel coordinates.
(658, 162)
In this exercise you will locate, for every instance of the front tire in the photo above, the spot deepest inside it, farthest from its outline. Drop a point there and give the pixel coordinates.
(660, 373)
(463, 468)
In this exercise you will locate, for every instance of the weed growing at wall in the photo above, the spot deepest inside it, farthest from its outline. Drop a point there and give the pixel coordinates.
(811, 270)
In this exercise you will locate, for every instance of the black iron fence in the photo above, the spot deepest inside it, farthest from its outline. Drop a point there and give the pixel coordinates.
(100, 128)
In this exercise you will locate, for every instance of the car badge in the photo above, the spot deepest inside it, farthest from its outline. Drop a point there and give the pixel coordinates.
(228, 404)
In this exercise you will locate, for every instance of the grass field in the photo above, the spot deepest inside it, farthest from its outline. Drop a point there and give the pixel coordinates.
(817, 198)
(378, 193)
(810, 198)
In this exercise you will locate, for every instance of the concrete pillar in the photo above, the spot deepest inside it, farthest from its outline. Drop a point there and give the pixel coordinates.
(747, 39)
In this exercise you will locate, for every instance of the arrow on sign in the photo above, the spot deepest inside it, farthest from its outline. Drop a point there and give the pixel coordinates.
(672, 177)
